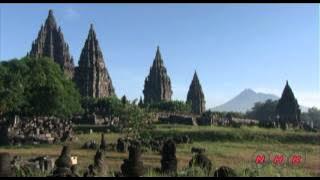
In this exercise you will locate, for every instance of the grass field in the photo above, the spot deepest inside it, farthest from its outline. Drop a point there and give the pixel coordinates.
(234, 147)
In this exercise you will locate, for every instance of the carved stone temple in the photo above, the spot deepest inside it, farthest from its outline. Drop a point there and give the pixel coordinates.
(157, 85)
(92, 77)
(195, 96)
(50, 43)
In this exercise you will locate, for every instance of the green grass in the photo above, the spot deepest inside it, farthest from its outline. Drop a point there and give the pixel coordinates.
(233, 147)
(243, 134)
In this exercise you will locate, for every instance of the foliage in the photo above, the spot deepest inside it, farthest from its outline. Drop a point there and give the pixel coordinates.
(265, 111)
(37, 87)
(133, 119)
(140, 104)
(88, 104)
(124, 99)
(12, 98)
(109, 106)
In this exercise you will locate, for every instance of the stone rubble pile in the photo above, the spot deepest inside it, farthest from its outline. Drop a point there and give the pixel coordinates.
(133, 166)
(41, 130)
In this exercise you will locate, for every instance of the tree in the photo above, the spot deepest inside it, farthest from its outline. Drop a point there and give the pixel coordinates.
(140, 104)
(124, 99)
(109, 106)
(265, 112)
(288, 109)
(37, 87)
(50, 92)
(88, 104)
(135, 120)
(12, 99)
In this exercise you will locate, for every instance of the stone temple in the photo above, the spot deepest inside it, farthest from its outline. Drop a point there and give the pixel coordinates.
(157, 86)
(195, 96)
(50, 43)
(92, 77)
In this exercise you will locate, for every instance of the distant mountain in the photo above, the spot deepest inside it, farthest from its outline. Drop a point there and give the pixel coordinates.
(246, 100)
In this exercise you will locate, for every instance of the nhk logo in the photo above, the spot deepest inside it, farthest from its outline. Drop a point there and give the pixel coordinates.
(279, 159)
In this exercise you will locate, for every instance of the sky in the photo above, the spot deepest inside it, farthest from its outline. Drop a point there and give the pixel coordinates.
(231, 46)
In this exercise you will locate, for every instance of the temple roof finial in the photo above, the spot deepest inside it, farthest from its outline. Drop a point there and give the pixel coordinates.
(51, 22)
(50, 12)
(158, 54)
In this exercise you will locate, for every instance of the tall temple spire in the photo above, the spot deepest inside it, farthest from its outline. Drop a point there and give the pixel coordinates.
(288, 108)
(195, 77)
(195, 95)
(158, 54)
(92, 32)
(50, 21)
(92, 77)
(157, 85)
(50, 43)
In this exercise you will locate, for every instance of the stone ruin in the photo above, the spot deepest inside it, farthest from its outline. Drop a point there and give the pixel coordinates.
(200, 160)
(225, 171)
(122, 145)
(97, 118)
(133, 167)
(169, 160)
(74, 171)
(92, 144)
(154, 144)
(183, 139)
(225, 121)
(63, 164)
(41, 130)
(103, 144)
(185, 119)
(198, 150)
(98, 168)
(5, 165)
(44, 164)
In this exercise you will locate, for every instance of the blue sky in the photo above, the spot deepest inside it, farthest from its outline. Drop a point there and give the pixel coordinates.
(232, 46)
